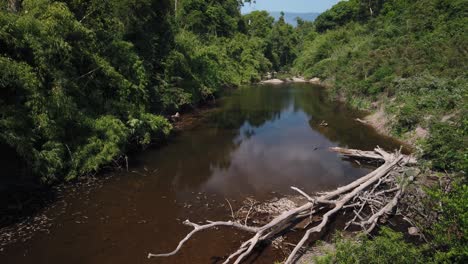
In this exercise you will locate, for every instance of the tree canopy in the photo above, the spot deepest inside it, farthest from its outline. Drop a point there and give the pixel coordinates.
(84, 80)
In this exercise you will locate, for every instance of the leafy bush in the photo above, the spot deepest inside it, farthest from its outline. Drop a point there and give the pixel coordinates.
(108, 140)
(447, 144)
(338, 15)
(451, 231)
(449, 243)
(388, 247)
(64, 80)
(50, 161)
(149, 128)
(408, 115)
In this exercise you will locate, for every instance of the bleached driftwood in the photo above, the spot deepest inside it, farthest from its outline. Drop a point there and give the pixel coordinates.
(377, 154)
(370, 191)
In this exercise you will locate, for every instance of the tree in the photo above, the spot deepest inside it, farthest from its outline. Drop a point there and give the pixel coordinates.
(281, 44)
(338, 15)
(215, 18)
(259, 23)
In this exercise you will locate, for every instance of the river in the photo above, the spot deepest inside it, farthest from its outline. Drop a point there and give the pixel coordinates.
(259, 141)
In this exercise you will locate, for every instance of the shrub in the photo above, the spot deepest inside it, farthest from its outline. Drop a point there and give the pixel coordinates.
(149, 128)
(451, 231)
(388, 247)
(408, 115)
(447, 144)
(108, 141)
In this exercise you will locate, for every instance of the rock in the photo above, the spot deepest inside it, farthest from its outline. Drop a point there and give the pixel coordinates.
(315, 80)
(413, 231)
(272, 81)
(298, 80)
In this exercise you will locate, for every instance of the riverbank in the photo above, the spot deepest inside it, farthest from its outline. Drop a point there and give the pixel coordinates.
(377, 117)
(292, 79)
(421, 212)
(243, 148)
(417, 216)
(377, 192)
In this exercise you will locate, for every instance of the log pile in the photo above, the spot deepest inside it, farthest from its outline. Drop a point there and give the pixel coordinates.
(370, 199)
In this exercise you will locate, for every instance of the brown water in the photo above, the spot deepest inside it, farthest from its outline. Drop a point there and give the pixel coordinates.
(258, 143)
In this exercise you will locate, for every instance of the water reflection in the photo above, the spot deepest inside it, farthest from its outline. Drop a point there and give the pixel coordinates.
(262, 139)
(265, 139)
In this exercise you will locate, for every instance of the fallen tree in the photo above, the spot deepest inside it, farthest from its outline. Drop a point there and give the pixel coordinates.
(369, 198)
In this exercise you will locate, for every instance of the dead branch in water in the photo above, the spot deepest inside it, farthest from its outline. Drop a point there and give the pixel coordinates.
(377, 154)
(377, 192)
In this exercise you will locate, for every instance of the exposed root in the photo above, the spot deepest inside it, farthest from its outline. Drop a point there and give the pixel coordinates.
(376, 194)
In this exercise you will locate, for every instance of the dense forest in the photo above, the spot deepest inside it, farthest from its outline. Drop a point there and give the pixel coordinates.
(85, 81)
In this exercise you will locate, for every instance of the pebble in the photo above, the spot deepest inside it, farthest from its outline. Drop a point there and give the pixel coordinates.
(413, 231)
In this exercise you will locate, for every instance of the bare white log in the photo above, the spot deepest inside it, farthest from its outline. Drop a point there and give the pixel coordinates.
(366, 192)
(198, 228)
(354, 153)
(339, 205)
(377, 154)
(361, 121)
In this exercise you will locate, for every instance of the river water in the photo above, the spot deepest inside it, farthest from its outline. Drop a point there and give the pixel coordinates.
(260, 141)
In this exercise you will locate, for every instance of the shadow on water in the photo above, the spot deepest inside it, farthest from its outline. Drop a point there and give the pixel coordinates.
(20, 197)
(258, 143)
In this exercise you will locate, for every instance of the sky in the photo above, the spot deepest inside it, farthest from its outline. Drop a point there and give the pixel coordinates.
(296, 6)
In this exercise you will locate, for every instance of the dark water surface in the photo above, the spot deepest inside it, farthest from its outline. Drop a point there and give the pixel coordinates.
(261, 141)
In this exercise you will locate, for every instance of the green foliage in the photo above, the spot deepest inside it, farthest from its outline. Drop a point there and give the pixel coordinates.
(338, 15)
(276, 40)
(202, 68)
(449, 243)
(108, 140)
(451, 231)
(81, 80)
(282, 44)
(50, 161)
(388, 247)
(217, 18)
(149, 128)
(404, 53)
(385, 48)
(70, 81)
(422, 96)
(407, 55)
(258, 23)
(446, 146)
